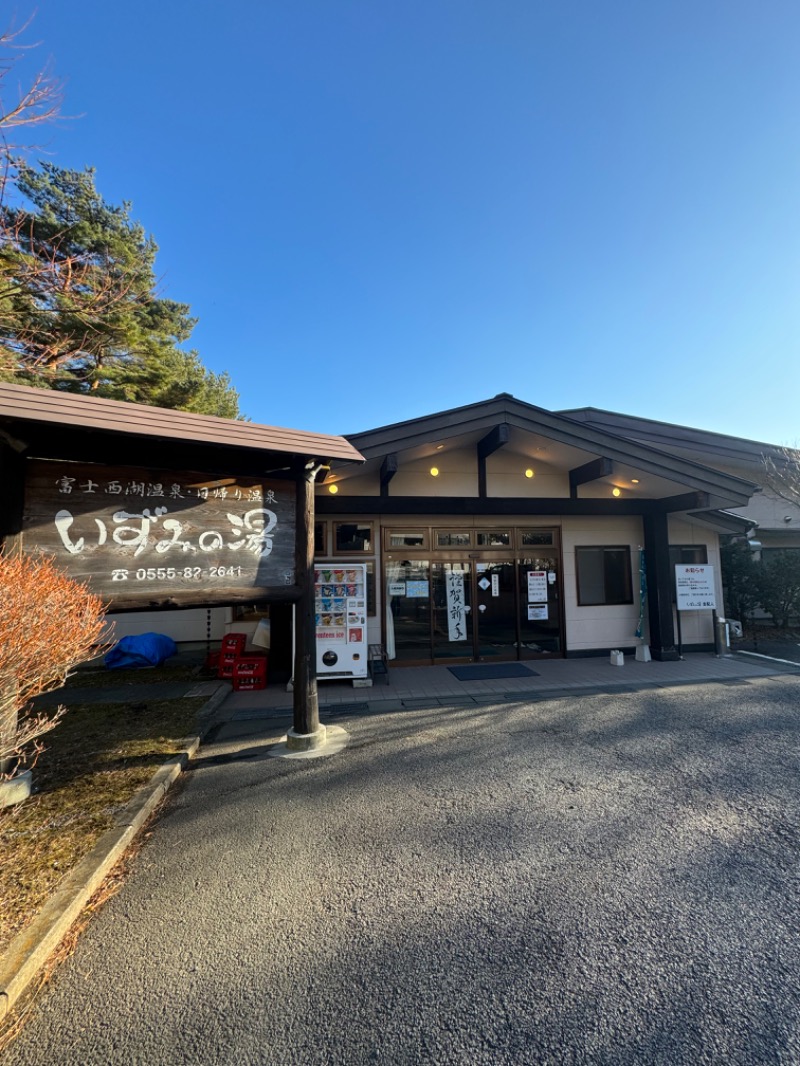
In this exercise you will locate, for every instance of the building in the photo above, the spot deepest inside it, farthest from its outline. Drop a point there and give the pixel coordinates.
(500, 530)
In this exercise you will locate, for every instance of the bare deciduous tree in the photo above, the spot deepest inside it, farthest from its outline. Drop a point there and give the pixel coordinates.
(782, 473)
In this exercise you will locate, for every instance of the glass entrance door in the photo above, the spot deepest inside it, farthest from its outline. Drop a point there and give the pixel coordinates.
(495, 610)
(540, 604)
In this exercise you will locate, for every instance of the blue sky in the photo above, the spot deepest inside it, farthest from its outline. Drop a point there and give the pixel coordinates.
(380, 209)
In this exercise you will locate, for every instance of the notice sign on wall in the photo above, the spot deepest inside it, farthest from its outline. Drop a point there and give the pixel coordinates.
(694, 587)
(136, 534)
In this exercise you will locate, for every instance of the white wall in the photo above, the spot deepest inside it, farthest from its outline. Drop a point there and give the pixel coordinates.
(600, 627)
(186, 625)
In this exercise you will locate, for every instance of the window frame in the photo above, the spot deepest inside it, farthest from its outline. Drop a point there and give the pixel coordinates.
(337, 551)
(460, 532)
(388, 533)
(484, 532)
(605, 602)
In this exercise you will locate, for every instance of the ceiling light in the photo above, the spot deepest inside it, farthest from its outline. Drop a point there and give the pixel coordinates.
(615, 492)
(333, 489)
(634, 481)
(434, 471)
(529, 472)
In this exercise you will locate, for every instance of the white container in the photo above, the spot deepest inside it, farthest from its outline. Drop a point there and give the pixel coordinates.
(617, 658)
(642, 653)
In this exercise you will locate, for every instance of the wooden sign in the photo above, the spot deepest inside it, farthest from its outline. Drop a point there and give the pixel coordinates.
(160, 537)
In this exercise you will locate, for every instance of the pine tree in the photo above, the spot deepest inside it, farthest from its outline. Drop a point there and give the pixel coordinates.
(79, 309)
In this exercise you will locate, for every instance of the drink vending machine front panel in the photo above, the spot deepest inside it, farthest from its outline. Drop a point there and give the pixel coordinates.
(340, 594)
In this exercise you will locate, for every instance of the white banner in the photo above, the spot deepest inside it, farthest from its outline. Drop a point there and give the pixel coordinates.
(456, 615)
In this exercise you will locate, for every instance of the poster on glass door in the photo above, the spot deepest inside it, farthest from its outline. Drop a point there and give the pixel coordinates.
(456, 614)
(537, 586)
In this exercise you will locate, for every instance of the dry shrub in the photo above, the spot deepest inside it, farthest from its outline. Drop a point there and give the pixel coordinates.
(49, 623)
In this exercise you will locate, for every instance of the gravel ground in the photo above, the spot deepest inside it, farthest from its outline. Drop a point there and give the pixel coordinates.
(601, 879)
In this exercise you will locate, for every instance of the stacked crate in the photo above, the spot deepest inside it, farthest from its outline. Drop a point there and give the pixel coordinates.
(247, 670)
(232, 649)
(250, 671)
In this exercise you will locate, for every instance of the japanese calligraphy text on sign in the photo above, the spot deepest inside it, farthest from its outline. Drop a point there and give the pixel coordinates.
(131, 532)
(694, 587)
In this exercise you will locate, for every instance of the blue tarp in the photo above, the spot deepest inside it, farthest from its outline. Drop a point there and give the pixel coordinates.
(146, 649)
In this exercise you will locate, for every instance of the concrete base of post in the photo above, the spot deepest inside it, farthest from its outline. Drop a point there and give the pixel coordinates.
(306, 741)
(307, 745)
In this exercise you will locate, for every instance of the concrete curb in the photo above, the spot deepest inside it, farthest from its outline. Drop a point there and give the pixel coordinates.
(33, 945)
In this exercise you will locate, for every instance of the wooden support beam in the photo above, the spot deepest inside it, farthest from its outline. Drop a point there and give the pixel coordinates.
(659, 587)
(305, 697)
(591, 471)
(493, 440)
(12, 488)
(389, 468)
(686, 501)
(471, 505)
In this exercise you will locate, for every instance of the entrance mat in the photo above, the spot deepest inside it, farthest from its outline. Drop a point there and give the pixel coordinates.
(491, 671)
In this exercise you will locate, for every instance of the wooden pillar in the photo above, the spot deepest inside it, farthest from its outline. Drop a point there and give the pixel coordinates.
(659, 587)
(306, 701)
(12, 487)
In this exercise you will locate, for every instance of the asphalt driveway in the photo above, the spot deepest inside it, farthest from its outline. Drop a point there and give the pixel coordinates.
(602, 879)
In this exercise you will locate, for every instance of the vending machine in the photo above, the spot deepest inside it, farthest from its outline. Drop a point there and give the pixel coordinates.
(341, 620)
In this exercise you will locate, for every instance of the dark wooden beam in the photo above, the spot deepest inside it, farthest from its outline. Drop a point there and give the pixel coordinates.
(659, 587)
(12, 491)
(493, 440)
(473, 505)
(591, 471)
(94, 446)
(179, 600)
(389, 468)
(305, 697)
(686, 501)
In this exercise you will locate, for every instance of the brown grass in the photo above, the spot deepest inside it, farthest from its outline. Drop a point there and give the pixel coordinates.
(95, 761)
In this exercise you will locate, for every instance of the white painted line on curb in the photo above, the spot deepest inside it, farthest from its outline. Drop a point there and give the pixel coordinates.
(772, 658)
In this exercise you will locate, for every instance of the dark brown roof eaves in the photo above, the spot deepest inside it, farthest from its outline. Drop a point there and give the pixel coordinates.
(20, 402)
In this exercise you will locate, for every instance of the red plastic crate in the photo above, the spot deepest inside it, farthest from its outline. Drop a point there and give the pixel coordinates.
(250, 666)
(212, 660)
(250, 672)
(227, 661)
(234, 642)
(245, 684)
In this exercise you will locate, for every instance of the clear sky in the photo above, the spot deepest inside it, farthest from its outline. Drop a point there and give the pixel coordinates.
(380, 209)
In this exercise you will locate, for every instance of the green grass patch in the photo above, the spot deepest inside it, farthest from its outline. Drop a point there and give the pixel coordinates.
(95, 760)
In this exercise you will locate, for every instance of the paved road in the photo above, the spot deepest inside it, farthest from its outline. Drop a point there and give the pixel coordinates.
(605, 879)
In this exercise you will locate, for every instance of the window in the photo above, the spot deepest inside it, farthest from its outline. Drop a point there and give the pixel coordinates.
(352, 537)
(407, 538)
(535, 537)
(493, 538)
(451, 538)
(320, 538)
(604, 576)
